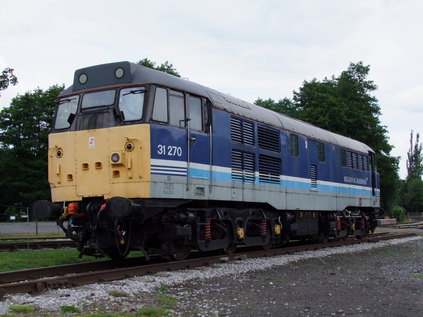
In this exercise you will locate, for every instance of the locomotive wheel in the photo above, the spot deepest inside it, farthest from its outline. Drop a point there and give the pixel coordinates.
(175, 252)
(230, 249)
(267, 246)
(322, 238)
(180, 255)
(122, 233)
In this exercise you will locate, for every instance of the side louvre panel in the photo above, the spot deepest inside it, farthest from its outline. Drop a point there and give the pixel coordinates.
(313, 176)
(242, 131)
(269, 169)
(268, 139)
(236, 130)
(248, 133)
(243, 166)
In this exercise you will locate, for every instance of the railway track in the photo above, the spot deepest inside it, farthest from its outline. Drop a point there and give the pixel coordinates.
(418, 225)
(35, 245)
(38, 280)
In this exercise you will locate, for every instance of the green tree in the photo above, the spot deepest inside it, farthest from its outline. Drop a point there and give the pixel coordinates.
(415, 158)
(164, 67)
(345, 105)
(24, 128)
(7, 78)
(285, 106)
(411, 196)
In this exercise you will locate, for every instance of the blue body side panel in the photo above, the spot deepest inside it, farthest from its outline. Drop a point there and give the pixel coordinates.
(304, 182)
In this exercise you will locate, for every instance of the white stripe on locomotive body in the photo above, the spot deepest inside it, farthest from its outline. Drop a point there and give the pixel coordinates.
(224, 174)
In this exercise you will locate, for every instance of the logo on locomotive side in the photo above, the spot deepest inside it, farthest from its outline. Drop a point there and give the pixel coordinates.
(354, 180)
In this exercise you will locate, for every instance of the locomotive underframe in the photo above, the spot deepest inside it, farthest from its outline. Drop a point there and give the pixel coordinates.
(174, 227)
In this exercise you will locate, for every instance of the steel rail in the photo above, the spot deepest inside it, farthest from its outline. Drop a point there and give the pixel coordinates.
(111, 274)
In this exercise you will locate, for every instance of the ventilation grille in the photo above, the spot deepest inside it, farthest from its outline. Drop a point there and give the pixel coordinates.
(365, 163)
(243, 166)
(242, 131)
(248, 133)
(236, 130)
(313, 176)
(360, 162)
(269, 169)
(268, 139)
(349, 159)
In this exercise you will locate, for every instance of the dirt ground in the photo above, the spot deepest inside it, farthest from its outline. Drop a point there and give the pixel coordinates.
(381, 282)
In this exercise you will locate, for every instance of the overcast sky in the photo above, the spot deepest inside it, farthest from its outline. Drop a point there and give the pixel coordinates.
(247, 48)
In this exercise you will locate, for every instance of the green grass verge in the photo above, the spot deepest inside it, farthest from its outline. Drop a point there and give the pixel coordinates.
(20, 260)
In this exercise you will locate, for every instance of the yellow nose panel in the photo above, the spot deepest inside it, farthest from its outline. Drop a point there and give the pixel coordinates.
(100, 163)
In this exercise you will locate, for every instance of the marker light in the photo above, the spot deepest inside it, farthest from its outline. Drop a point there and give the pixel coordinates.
(59, 153)
(83, 78)
(119, 72)
(115, 158)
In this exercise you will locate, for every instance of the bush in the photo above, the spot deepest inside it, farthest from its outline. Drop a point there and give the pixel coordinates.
(398, 213)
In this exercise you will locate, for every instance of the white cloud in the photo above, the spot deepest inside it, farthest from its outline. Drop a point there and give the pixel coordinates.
(246, 48)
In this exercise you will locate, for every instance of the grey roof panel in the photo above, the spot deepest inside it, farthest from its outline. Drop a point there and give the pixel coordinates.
(139, 74)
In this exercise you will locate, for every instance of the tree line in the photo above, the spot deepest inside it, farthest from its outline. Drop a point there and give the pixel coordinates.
(343, 104)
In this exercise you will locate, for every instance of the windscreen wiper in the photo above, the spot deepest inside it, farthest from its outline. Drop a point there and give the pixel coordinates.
(62, 101)
(138, 91)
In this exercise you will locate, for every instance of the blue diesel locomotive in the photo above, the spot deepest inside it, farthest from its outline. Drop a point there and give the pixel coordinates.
(143, 160)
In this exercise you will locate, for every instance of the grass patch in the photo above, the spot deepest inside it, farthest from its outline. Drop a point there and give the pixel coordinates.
(247, 308)
(117, 293)
(279, 281)
(12, 261)
(152, 312)
(21, 309)
(101, 314)
(417, 275)
(162, 288)
(166, 300)
(69, 309)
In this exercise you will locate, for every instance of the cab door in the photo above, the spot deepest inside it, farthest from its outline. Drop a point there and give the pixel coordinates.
(198, 143)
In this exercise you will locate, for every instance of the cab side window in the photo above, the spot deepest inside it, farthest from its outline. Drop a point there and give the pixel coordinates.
(195, 113)
(176, 109)
(160, 105)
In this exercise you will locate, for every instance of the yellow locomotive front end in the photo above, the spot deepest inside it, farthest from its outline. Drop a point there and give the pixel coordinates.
(99, 159)
(102, 163)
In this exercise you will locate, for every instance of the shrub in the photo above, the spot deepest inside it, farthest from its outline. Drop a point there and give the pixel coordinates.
(398, 213)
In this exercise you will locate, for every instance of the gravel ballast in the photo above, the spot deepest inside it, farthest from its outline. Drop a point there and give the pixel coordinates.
(377, 279)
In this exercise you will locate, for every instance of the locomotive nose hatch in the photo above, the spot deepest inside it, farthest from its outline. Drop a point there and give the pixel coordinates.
(91, 154)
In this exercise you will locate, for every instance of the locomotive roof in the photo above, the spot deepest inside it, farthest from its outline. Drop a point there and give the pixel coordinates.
(104, 75)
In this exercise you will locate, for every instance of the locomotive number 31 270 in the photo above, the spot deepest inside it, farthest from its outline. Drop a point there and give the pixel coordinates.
(169, 150)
